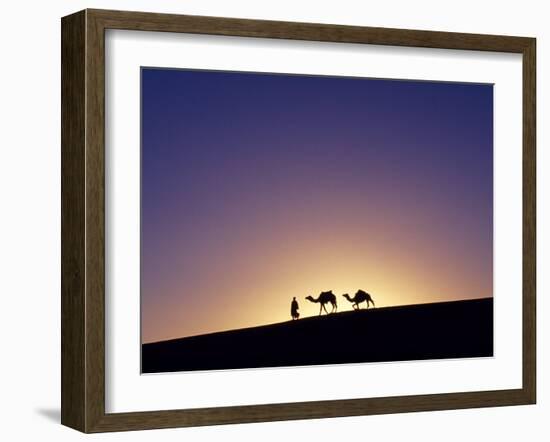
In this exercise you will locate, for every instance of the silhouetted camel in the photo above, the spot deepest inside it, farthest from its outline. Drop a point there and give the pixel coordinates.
(360, 296)
(325, 298)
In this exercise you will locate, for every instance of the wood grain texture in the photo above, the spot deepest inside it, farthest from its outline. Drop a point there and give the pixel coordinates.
(145, 21)
(83, 220)
(73, 349)
(95, 222)
(529, 221)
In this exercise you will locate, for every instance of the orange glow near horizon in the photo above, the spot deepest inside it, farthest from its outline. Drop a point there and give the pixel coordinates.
(258, 285)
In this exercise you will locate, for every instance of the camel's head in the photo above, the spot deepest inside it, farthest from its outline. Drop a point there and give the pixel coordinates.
(309, 298)
(345, 295)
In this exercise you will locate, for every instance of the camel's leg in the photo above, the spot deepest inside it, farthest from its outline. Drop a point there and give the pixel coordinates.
(320, 309)
(324, 308)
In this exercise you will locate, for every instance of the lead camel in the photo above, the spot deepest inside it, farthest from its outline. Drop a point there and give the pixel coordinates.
(325, 298)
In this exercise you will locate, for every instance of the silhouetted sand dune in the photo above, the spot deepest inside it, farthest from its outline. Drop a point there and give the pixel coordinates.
(443, 330)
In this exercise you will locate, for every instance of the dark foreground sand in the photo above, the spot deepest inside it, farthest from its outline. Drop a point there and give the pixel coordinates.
(456, 329)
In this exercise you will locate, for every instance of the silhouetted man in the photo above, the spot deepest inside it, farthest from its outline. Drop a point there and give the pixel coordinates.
(294, 309)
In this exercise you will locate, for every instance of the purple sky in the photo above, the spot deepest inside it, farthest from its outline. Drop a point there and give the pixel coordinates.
(260, 187)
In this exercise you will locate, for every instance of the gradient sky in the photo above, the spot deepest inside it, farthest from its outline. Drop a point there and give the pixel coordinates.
(260, 187)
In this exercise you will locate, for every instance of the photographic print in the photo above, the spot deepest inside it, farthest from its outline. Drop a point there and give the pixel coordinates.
(295, 220)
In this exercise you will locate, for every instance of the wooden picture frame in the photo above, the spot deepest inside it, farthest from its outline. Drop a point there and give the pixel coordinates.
(83, 220)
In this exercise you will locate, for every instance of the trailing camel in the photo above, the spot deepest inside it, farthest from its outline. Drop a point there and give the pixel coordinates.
(360, 296)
